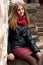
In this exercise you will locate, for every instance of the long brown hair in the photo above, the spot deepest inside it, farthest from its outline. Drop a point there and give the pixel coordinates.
(13, 15)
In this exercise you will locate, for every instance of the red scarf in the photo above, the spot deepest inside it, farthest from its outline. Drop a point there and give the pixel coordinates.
(21, 20)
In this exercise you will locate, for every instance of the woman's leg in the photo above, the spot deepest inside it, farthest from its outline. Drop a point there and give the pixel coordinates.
(30, 59)
(40, 60)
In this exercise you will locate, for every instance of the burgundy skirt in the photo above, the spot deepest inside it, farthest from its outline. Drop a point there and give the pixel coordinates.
(21, 52)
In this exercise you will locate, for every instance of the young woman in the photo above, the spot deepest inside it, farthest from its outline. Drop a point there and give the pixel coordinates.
(20, 38)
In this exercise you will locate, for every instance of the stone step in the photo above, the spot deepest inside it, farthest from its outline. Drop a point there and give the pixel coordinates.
(40, 9)
(31, 10)
(32, 5)
(40, 33)
(32, 26)
(35, 37)
(39, 44)
(40, 29)
(39, 24)
(33, 29)
(38, 12)
(34, 33)
(38, 15)
(37, 20)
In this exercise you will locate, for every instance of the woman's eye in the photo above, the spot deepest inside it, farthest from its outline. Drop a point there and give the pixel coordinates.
(22, 9)
(18, 10)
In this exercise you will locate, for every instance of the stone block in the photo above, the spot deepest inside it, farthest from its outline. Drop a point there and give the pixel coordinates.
(17, 61)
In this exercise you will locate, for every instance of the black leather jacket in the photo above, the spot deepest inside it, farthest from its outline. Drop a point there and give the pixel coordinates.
(21, 37)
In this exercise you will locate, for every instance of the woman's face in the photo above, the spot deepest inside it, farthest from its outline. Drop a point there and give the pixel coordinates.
(20, 10)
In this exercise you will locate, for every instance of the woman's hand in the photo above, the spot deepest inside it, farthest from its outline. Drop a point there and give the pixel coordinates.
(10, 56)
(38, 54)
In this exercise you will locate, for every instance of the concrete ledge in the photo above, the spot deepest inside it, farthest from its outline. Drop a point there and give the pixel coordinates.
(17, 61)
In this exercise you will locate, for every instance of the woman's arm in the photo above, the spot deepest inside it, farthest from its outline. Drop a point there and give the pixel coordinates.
(10, 39)
(31, 42)
(10, 55)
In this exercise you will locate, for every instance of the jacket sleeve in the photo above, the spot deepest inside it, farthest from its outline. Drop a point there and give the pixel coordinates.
(31, 42)
(9, 46)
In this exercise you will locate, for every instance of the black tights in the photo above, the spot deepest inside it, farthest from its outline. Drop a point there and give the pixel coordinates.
(33, 60)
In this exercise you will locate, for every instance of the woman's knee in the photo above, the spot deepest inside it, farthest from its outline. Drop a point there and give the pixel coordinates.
(31, 60)
(10, 56)
(34, 61)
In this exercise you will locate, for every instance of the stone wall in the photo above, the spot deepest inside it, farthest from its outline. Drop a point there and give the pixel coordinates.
(3, 30)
